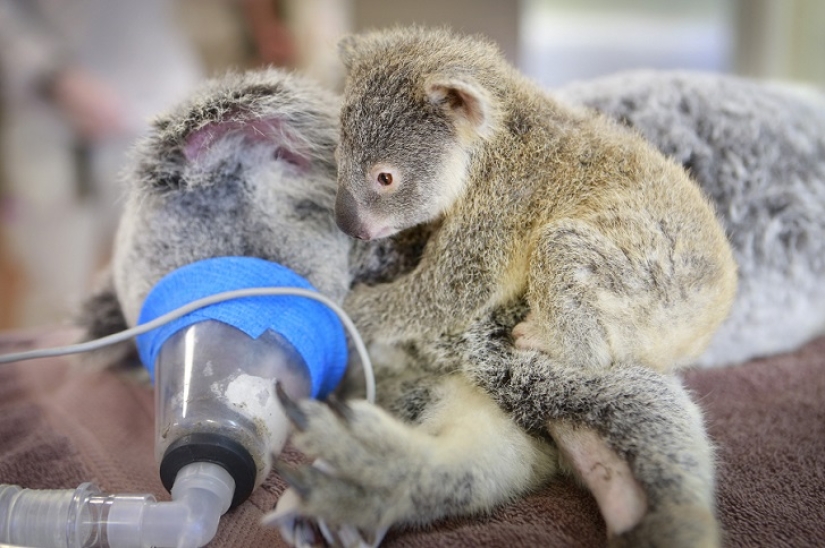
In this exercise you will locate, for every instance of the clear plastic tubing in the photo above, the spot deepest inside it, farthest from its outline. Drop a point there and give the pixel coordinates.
(218, 422)
(44, 518)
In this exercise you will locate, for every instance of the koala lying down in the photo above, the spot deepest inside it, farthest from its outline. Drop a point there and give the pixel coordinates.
(246, 167)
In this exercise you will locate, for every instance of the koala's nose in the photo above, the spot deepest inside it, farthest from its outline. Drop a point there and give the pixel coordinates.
(346, 215)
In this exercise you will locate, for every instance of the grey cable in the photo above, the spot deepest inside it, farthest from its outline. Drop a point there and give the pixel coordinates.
(369, 374)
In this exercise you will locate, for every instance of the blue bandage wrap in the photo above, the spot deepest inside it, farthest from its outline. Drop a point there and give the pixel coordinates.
(311, 327)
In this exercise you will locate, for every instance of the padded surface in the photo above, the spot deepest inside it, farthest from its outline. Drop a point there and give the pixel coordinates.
(61, 425)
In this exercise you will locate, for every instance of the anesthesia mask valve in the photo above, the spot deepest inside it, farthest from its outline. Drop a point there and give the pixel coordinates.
(215, 368)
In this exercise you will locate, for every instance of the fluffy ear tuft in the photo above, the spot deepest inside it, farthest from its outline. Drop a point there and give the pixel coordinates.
(237, 122)
(466, 102)
(347, 50)
(262, 130)
(197, 157)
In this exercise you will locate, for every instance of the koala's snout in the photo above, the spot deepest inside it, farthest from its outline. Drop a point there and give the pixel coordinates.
(358, 223)
(346, 215)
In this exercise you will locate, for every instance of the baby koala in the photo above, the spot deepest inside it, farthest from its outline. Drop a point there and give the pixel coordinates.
(617, 252)
(557, 228)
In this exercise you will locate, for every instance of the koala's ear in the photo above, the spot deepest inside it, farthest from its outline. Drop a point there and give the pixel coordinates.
(238, 122)
(347, 50)
(270, 131)
(176, 157)
(469, 104)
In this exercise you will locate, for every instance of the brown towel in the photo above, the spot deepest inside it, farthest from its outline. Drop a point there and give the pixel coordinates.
(60, 427)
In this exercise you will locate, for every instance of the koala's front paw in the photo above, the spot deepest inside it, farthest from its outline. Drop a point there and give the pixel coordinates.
(673, 527)
(303, 532)
(369, 466)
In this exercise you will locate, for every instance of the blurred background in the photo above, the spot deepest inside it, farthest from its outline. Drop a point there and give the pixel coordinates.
(80, 80)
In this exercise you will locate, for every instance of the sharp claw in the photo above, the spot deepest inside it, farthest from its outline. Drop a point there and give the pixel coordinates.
(294, 477)
(340, 408)
(298, 417)
(328, 534)
(350, 537)
(307, 534)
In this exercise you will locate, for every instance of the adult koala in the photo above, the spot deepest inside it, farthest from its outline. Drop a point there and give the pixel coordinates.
(246, 167)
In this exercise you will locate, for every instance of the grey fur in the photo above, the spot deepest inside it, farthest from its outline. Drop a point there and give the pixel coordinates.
(391, 472)
(757, 150)
(240, 192)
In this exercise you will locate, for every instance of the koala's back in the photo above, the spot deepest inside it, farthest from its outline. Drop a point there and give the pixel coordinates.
(758, 151)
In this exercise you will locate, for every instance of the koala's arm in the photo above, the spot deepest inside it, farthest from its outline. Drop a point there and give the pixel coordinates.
(432, 299)
(392, 312)
(464, 455)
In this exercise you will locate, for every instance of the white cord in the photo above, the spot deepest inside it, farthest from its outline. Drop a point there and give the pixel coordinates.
(369, 375)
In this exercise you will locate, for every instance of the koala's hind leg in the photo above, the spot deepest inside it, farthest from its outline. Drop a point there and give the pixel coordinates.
(644, 419)
(630, 296)
(464, 456)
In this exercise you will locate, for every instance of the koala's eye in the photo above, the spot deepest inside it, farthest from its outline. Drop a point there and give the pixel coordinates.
(384, 178)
